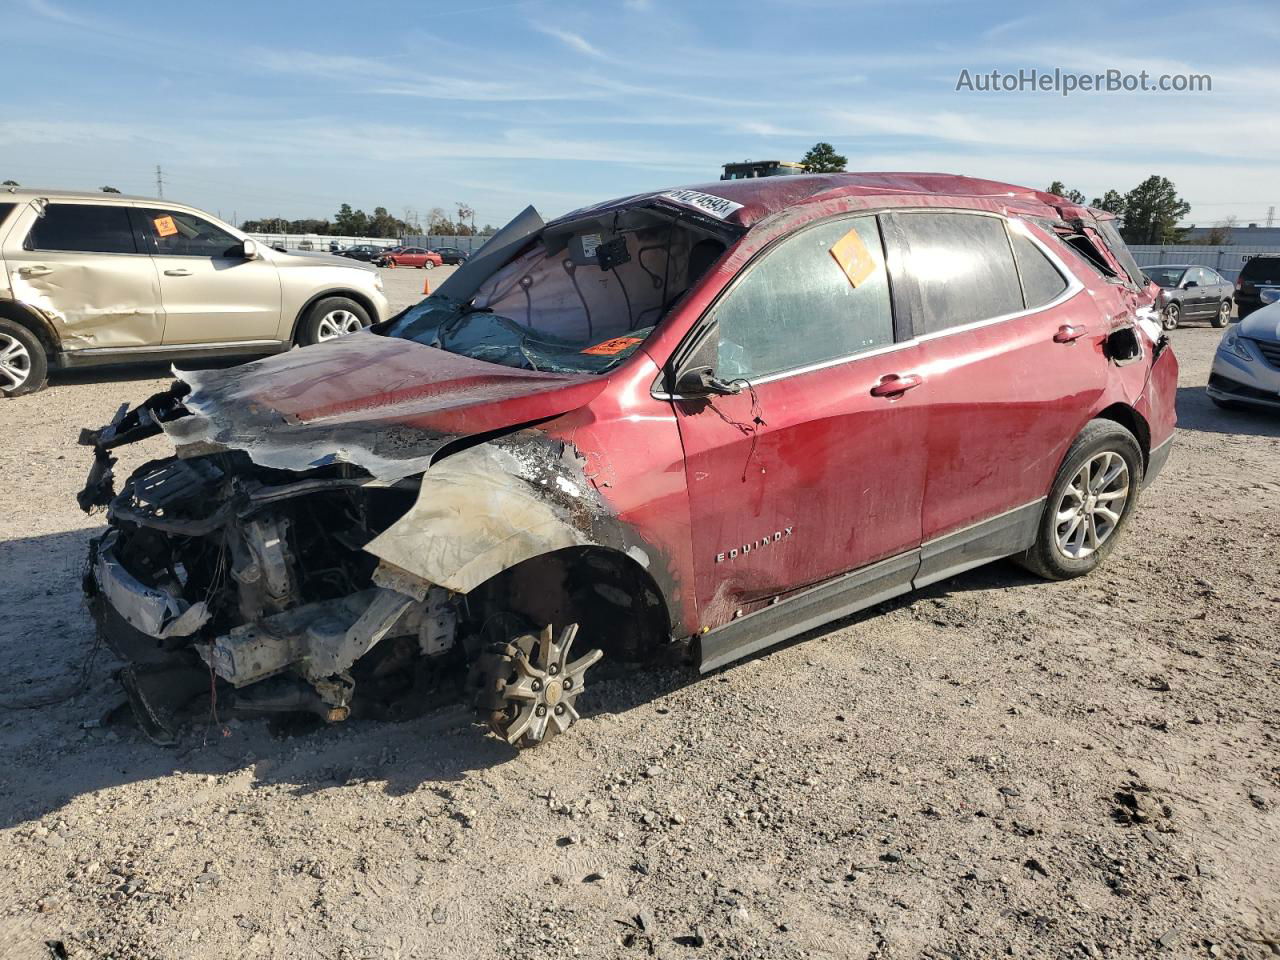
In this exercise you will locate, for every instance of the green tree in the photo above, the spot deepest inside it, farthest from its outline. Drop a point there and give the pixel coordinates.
(108, 189)
(1060, 189)
(822, 158)
(1152, 210)
(1112, 201)
(10, 183)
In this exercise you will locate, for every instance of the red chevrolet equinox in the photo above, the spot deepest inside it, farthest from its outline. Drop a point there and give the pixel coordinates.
(698, 421)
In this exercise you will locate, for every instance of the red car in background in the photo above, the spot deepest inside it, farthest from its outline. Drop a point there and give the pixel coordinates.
(418, 257)
(694, 422)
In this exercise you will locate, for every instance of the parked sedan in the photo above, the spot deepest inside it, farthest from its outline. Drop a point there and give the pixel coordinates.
(364, 252)
(451, 255)
(806, 416)
(418, 257)
(1246, 368)
(1191, 292)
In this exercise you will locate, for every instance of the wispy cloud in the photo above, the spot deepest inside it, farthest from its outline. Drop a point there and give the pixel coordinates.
(574, 41)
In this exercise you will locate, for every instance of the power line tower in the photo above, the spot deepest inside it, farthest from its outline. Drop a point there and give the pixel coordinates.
(159, 183)
(1271, 215)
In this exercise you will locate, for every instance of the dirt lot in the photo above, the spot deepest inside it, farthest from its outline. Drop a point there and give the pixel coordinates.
(997, 766)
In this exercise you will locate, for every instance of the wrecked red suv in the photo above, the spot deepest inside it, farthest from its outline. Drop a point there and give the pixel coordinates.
(698, 421)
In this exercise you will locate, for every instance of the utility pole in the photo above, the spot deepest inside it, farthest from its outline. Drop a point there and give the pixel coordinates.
(159, 183)
(1271, 214)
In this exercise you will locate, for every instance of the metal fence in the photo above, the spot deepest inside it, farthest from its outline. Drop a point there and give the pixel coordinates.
(323, 243)
(1227, 260)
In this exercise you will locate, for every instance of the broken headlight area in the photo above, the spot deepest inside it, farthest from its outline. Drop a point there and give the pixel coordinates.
(211, 566)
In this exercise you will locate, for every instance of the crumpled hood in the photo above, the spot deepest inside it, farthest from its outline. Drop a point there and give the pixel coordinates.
(385, 404)
(1262, 324)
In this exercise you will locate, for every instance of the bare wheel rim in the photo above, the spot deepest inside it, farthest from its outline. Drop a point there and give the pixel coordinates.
(337, 323)
(15, 363)
(1091, 506)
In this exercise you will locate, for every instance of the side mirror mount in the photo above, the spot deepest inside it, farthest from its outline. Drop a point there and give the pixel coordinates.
(702, 382)
(1190, 285)
(250, 251)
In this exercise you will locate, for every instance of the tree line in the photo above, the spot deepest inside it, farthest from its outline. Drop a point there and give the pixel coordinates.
(348, 222)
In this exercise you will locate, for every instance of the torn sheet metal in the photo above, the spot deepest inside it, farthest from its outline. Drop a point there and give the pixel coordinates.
(151, 610)
(478, 513)
(368, 400)
(485, 509)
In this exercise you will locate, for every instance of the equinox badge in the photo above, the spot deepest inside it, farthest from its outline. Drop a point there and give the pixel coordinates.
(746, 548)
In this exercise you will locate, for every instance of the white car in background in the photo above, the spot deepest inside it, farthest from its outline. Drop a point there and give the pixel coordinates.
(91, 278)
(1246, 368)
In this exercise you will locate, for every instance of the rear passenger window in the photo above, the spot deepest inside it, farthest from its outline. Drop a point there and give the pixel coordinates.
(82, 228)
(963, 267)
(1041, 281)
(821, 294)
(5, 210)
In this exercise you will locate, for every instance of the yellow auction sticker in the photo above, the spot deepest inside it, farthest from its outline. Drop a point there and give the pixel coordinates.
(165, 226)
(854, 257)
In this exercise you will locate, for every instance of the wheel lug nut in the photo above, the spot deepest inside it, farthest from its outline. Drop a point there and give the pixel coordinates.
(536, 685)
(553, 669)
(542, 711)
(568, 682)
(559, 710)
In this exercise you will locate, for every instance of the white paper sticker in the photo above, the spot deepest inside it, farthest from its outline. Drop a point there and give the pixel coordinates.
(706, 202)
(589, 243)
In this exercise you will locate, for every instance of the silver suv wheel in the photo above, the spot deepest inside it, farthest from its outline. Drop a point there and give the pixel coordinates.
(1092, 505)
(15, 363)
(337, 323)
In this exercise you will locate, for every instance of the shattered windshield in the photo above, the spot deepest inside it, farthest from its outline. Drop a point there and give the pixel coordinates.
(575, 298)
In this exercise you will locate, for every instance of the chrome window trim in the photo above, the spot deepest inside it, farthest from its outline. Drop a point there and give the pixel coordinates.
(1074, 287)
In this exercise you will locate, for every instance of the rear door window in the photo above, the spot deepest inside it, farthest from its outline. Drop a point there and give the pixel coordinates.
(963, 267)
(1041, 281)
(82, 228)
(1261, 270)
(820, 295)
(176, 233)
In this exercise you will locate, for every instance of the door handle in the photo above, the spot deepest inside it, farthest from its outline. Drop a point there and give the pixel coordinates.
(891, 385)
(34, 271)
(1067, 333)
(178, 272)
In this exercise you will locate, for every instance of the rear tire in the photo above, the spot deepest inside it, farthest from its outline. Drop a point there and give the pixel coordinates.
(1223, 316)
(1107, 494)
(330, 318)
(24, 365)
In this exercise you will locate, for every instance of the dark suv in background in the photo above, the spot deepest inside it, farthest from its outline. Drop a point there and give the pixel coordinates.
(1258, 284)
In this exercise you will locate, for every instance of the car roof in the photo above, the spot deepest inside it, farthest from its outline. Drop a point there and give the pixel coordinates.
(762, 197)
(1173, 266)
(32, 193)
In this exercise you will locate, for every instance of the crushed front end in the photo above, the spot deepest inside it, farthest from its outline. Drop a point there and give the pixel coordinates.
(214, 569)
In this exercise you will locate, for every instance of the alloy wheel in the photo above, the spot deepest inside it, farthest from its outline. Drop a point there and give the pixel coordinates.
(1092, 504)
(1171, 314)
(15, 363)
(337, 323)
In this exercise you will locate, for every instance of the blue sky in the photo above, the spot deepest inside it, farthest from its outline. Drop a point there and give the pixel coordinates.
(290, 109)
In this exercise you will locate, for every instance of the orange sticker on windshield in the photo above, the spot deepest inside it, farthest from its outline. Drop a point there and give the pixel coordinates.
(611, 347)
(854, 258)
(165, 226)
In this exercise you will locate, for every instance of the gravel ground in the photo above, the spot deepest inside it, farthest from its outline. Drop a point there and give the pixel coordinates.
(995, 766)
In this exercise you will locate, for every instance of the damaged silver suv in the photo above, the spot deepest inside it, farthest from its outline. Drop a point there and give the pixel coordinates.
(693, 423)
